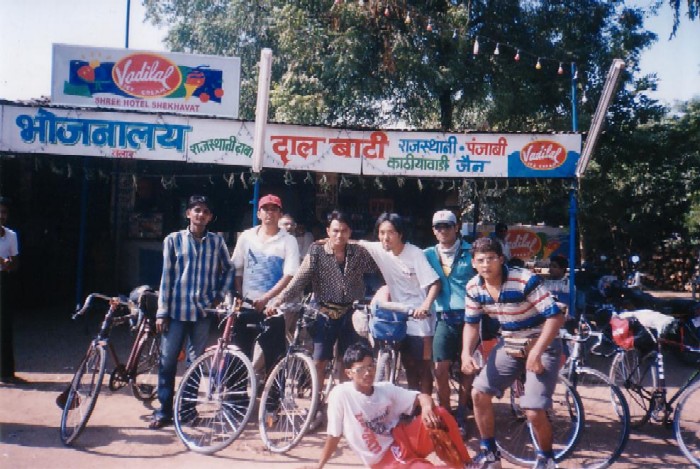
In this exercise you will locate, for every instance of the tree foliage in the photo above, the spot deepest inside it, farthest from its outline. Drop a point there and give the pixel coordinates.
(692, 13)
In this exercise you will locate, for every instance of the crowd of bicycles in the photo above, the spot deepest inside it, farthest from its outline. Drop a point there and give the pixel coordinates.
(606, 387)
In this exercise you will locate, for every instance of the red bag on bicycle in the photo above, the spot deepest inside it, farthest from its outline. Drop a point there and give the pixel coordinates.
(622, 332)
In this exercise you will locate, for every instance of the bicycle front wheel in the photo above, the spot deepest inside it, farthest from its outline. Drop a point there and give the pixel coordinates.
(145, 382)
(606, 427)
(214, 400)
(686, 423)
(514, 436)
(83, 393)
(288, 402)
(636, 377)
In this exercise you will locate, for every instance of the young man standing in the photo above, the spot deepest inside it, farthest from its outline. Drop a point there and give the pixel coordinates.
(265, 257)
(9, 261)
(452, 260)
(526, 310)
(368, 413)
(197, 274)
(412, 282)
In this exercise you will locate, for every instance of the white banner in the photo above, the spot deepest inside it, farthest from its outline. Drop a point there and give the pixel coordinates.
(145, 81)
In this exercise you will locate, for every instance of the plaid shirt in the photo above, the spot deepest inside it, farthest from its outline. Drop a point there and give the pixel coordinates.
(195, 273)
(522, 306)
(328, 282)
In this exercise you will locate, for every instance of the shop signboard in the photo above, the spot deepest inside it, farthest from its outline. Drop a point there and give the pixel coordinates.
(531, 242)
(145, 81)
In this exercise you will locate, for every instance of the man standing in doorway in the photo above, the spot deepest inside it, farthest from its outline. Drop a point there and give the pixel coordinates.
(452, 260)
(266, 258)
(197, 274)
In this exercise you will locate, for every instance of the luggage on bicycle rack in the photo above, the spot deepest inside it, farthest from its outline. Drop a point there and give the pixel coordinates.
(629, 333)
(388, 321)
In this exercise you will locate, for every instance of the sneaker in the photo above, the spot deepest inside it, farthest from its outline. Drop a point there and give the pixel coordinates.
(486, 460)
(543, 462)
(317, 421)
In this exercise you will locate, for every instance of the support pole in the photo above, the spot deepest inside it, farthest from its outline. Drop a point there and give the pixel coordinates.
(573, 211)
(261, 124)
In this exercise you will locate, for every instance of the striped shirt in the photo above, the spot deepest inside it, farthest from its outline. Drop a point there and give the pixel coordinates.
(195, 273)
(522, 306)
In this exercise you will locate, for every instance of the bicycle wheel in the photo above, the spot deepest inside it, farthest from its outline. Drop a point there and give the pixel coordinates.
(386, 360)
(288, 402)
(686, 423)
(514, 436)
(84, 390)
(606, 427)
(213, 401)
(636, 378)
(145, 382)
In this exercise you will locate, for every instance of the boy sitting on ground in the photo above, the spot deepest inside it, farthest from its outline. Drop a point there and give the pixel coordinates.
(368, 413)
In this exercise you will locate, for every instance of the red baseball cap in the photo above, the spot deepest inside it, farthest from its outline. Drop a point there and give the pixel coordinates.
(270, 199)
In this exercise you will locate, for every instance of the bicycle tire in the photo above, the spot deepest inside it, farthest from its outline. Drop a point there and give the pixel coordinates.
(514, 436)
(289, 402)
(213, 401)
(636, 377)
(84, 391)
(386, 360)
(606, 427)
(144, 386)
(686, 423)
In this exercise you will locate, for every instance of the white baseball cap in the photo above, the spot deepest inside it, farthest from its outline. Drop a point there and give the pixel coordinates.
(444, 216)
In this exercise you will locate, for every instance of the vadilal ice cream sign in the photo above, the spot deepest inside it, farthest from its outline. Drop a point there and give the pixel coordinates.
(145, 81)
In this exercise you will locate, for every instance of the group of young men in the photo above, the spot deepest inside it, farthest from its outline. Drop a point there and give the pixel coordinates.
(451, 287)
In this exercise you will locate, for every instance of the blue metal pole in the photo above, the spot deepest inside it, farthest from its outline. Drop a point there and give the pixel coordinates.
(256, 196)
(82, 233)
(573, 206)
(128, 16)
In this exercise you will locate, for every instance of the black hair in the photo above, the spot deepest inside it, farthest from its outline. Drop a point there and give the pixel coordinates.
(487, 244)
(560, 260)
(500, 226)
(341, 217)
(356, 353)
(393, 218)
(199, 200)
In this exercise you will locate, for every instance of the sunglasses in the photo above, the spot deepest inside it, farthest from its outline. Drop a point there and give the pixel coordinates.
(442, 226)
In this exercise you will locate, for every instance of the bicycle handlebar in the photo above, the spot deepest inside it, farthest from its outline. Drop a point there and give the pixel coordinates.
(100, 296)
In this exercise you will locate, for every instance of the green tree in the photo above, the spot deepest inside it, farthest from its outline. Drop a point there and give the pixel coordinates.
(692, 13)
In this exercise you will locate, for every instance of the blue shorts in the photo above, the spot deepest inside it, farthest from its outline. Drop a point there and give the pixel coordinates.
(326, 331)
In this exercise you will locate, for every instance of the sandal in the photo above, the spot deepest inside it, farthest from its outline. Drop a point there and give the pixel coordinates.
(159, 422)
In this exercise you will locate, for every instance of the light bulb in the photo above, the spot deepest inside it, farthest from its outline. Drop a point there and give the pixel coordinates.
(408, 19)
(561, 69)
(517, 56)
(429, 28)
(387, 12)
(476, 46)
(538, 66)
(497, 51)
(584, 99)
(454, 35)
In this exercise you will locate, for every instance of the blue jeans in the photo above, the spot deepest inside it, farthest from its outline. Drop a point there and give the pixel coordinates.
(171, 343)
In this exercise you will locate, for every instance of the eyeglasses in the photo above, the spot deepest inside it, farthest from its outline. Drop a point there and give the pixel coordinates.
(442, 226)
(486, 260)
(361, 370)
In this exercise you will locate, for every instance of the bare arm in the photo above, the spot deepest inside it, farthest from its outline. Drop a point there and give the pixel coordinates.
(328, 450)
(470, 338)
(550, 331)
(428, 415)
(423, 310)
(261, 302)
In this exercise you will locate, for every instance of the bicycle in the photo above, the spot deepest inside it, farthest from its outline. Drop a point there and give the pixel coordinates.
(640, 373)
(292, 395)
(388, 322)
(216, 395)
(605, 429)
(78, 400)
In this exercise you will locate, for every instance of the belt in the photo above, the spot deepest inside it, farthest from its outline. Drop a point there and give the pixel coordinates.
(334, 310)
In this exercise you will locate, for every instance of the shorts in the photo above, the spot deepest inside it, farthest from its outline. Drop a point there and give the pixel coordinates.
(417, 347)
(325, 333)
(447, 343)
(501, 370)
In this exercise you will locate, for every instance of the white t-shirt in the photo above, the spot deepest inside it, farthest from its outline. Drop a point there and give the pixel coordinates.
(8, 244)
(367, 421)
(263, 263)
(408, 277)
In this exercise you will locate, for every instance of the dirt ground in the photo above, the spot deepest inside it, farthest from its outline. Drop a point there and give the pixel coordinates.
(49, 346)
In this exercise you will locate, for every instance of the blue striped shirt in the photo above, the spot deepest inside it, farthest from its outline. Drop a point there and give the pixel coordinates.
(522, 306)
(195, 273)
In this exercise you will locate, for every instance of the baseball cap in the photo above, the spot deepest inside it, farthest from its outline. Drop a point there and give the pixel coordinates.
(270, 199)
(444, 216)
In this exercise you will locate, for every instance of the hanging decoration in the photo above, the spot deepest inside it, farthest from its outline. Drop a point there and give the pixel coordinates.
(243, 181)
(400, 181)
(309, 179)
(344, 182)
(230, 180)
(378, 183)
(420, 185)
(288, 178)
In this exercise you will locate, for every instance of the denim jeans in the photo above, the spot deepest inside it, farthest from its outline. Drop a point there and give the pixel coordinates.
(171, 343)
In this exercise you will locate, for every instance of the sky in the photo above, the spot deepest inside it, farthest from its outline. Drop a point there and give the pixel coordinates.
(28, 28)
